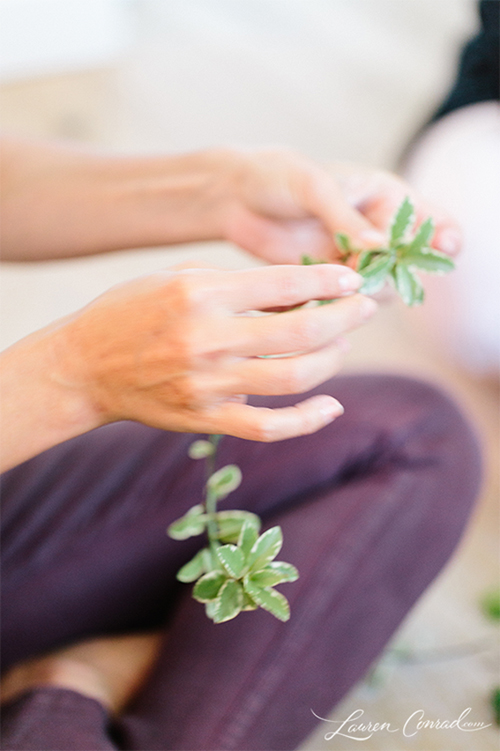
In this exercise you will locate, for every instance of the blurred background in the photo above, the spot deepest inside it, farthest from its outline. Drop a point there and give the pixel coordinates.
(336, 80)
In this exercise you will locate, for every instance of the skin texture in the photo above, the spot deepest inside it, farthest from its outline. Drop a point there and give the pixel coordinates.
(181, 349)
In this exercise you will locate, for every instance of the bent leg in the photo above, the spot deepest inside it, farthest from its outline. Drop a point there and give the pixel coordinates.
(87, 553)
(84, 549)
(393, 489)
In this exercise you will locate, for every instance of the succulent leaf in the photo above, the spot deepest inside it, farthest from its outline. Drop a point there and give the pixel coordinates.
(191, 524)
(248, 537)
(232, 560)
(402, 222)
(265, 549)
(230, 523)
(224, 481)
(229, 601)
(431, 261)
(408, 286)
(273, 573)
(423, 236)
(194, 568)
(208, 586)
(268, 599)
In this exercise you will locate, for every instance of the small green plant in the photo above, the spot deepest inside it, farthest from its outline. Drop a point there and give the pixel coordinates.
(495, 704)
(399, 261)
(490, 604)
(237, 570)
(490, 607)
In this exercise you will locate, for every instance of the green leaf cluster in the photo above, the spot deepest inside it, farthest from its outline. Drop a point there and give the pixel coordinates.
(495, 704)
(195, 522)
(237, 570)
(232, 578)
(490, 605)
(400, 260)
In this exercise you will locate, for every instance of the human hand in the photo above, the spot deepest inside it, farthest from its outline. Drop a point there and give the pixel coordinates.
(282, 206)
(175, 350)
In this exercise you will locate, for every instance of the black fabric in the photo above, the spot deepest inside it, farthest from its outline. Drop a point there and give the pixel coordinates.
(478, 72)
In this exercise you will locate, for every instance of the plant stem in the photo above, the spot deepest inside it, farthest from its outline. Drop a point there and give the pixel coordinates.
(211, 508)
(211, 498)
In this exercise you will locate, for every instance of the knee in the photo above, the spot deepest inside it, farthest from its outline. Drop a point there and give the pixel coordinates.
(417, 427)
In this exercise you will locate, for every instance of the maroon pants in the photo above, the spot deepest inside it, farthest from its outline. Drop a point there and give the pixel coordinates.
(371, 508)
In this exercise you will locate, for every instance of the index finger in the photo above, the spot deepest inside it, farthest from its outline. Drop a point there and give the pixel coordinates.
(280, 286)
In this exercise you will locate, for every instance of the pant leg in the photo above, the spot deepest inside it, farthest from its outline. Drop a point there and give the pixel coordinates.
(389, 422)
(367, 542)
(53, 719)
(84, 549)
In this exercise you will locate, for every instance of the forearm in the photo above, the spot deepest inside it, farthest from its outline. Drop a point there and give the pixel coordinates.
(60, 201)
(38, 408)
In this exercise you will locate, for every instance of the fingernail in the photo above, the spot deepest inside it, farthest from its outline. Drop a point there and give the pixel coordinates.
(350, 281)
(372, 237)
(330, 409)
(343, 344)
(449, 241)
(368, 307)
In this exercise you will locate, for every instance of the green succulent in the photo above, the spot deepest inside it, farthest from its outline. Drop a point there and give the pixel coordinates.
(495, 704)
(399, 261)
(490, 604)
(237, 570)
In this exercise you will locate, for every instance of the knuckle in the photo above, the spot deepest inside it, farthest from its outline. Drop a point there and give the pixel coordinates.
(295, 380)
(186, 348)
(264, 429)
(306, 332)
(186, 293)
(187, 392)
(289, 287)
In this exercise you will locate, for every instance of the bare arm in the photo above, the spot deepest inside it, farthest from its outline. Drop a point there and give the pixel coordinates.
(60, 201)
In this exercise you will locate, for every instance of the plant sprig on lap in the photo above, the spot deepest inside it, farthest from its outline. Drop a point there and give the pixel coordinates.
(237, 571)
(400, 260)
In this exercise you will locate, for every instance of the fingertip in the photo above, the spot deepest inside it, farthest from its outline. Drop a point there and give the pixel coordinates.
(350, 281)
(372, 238)
(327, 406)
(448, 240)
(369, 306)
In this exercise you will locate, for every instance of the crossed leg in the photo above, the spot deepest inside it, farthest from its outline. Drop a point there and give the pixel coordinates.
(371, 508)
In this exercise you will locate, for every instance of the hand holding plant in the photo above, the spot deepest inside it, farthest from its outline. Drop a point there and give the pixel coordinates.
(399, 260)
(237, 570)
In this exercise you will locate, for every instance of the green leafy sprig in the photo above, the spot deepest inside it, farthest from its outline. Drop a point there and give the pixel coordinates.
(490, 607)
(237, 570)
(399, 261)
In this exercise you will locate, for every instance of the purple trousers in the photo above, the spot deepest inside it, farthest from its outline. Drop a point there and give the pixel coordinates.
(371, 508)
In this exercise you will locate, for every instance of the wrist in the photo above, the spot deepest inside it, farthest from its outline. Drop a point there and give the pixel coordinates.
(39, 406)
(166, 200)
